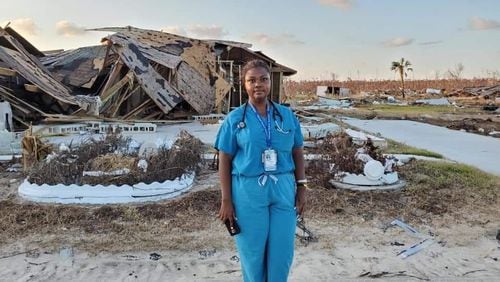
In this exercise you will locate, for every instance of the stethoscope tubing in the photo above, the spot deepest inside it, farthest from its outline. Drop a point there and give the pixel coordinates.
(280, 129)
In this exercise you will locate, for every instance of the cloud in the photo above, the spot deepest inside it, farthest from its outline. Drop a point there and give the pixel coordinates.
(282, 39)
(398, 41)
(477, 23)
(431, 42)
(24, 26)
(341, 4)
(66, 28)
(291, 39)
(212, 32)
(175, 30)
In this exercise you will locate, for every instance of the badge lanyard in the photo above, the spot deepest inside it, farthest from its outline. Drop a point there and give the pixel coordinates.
(267, 129)
(269, 156)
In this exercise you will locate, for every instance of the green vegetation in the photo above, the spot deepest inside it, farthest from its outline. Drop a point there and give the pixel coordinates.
(399, 148)
(402, 67)
(460, 183)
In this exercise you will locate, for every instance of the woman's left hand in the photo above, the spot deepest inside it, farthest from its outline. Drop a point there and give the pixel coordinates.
(300, 200)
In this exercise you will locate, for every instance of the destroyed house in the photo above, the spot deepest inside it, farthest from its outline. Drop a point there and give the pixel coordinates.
(134, 75)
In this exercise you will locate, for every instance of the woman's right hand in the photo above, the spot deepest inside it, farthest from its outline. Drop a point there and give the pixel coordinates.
(227, 211)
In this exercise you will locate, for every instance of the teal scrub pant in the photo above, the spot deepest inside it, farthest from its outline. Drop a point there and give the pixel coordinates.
(266, 216)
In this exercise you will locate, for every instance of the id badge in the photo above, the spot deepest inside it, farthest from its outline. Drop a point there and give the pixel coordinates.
(270, 160)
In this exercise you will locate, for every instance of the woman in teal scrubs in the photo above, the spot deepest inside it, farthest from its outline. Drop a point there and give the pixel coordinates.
(261, 169)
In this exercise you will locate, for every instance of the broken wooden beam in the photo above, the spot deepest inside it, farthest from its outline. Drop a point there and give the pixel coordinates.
(7, 72)
(152, 83)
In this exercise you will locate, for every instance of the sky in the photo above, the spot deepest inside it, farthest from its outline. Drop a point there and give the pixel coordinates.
(321, 39)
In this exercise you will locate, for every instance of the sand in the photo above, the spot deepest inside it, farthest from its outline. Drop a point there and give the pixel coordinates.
(351, 247)
(357, 252)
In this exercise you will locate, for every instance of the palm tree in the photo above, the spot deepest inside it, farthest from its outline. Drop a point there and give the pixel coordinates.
(402, 67)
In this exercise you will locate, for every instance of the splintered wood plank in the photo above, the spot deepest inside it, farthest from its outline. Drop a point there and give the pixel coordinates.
(137, 110)
(31, 88)
(7, 72)
(222, 87)
(38, 76)
(117, 86)
(20, 48)
(115, 72)
(195, 89)
(17, 102)
(153, 84)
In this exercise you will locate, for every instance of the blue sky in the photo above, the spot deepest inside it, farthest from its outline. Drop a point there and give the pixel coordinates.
(351, 38)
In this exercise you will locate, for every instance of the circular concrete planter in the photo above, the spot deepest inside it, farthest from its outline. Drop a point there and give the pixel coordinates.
(106, 194)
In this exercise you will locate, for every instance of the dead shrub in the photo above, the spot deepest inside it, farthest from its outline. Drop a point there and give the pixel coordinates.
(111, 153)
(111, 162)
(185, 155)
(337, 153)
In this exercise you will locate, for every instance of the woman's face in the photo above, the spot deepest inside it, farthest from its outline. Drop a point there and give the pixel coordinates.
(257, 84)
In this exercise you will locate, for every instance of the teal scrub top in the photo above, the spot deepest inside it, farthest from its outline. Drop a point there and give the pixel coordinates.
(247, 144)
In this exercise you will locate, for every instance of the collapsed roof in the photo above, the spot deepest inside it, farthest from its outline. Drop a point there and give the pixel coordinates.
(136, 74)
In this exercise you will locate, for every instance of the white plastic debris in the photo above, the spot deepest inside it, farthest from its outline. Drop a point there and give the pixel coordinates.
(148, 149)
(374, 170)
(63, 148)
(143, 164)
(415, 248)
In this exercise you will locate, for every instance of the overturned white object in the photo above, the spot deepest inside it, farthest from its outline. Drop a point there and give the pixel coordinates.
(360, 179)
(109, 194)
(373, 170)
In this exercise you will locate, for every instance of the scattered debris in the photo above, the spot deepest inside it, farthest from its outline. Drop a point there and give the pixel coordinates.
(318, 131)
(136, 74)
(154, 256)
(390, 274)
(34, 150)
(337, 156)
(396, 243)
(434, 91)
(434, 102)
(410, 230)
(235, 258)
(490, 107)
(207, 253)
(307, 236)
(414, 233)
(323, 91)
(486, 92)
(360, 138)
(325, 103)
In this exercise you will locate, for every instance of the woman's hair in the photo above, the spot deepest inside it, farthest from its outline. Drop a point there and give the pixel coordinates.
(256, 63)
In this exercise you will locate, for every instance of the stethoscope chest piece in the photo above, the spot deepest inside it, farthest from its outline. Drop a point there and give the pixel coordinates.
(241, 125)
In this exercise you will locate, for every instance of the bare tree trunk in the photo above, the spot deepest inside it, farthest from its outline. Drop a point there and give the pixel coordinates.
(402, 84)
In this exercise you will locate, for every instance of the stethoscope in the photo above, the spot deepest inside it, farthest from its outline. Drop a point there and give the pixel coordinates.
(276, 112)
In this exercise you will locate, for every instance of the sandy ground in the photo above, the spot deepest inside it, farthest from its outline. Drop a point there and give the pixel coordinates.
(348, 248)
(355, 252)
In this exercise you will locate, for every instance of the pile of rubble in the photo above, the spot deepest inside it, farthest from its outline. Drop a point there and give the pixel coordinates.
(486, 92)
(135, 74)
